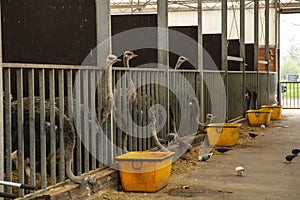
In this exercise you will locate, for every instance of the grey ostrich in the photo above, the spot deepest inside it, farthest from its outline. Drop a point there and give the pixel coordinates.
(127, 56)
(106, 111)
(69, 136)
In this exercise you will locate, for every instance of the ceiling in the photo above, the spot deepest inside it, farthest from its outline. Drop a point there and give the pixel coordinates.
(150, 6)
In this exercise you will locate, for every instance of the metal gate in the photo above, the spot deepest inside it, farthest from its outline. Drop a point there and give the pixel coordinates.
(290, 94)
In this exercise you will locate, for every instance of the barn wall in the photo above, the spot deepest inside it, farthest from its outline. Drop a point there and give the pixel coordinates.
(49, 32)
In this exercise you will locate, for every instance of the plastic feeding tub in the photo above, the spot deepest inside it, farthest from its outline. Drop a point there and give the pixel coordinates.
(259, 117)
(145, 171)
(223, 134)
(276, 114)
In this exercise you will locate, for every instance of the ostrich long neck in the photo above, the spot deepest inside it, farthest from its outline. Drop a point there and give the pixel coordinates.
(128, 77)
(109, 80)
(126, 61)
(178, 64)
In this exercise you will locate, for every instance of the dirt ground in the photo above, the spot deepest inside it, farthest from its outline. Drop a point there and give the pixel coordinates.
(266, 175)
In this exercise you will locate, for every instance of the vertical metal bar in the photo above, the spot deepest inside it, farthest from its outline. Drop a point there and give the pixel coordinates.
(100, 142)
(267, 48)
(43, 180)
(52, 127)
(144, 109)
(256, 22)
(120, 105)
(147, 107)
(20, 118)
(61, 171)
(85, 133)
(8, 129)
(70, 97)
(70, 94)
(130, 118)
(93, 133)
(153, 74)
(31, 124)
(140, 118)
(77, 118)
(224, 51)
(135, 116)
(242, 49)
(1, 110)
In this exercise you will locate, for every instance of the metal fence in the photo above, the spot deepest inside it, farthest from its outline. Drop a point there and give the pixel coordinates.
(46, 97)
(290, 94)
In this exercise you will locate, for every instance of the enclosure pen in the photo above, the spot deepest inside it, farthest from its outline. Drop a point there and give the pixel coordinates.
(63, 91)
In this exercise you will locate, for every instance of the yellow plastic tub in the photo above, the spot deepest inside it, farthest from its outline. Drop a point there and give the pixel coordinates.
(276, 114)
(223, 134)
(259, 117)
(145, 171)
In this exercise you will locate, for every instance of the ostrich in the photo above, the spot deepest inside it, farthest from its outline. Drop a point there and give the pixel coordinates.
(106, 111)
(248, 98)
(68, 129)
(173, 136)
(127, 56)
(180, 61)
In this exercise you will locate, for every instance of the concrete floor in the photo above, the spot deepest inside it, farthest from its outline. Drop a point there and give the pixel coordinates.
(266, 175)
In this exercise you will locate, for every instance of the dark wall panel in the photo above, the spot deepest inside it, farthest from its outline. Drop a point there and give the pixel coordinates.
(191, 52)
(47, 31)
(212, 44)
(122, 41)
(249, 57)
(234, 50)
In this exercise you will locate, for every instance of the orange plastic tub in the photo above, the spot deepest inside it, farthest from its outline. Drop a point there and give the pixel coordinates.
(259, 117)
(145, 171)
(223, 134)
(276, 114)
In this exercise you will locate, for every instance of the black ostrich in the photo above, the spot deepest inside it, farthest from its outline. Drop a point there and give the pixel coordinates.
(248, 95)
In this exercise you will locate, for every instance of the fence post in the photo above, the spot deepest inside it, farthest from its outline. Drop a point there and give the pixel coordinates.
(1, 111)
(103, 24)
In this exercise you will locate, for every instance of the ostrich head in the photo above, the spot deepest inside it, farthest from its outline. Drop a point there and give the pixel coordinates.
(180, 60)
(210, 117)
(4, 97)
(111, 59)
(127, 56)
